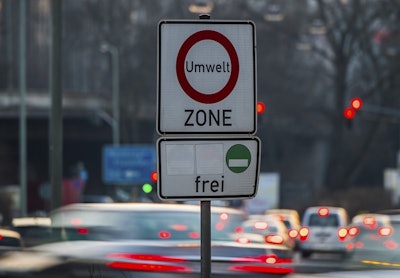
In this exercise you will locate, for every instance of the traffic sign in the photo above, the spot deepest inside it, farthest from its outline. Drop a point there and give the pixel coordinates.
(128, 164)
(206, 77)
(208, 168)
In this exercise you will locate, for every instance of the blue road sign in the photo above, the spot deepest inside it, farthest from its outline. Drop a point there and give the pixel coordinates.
(128, 164)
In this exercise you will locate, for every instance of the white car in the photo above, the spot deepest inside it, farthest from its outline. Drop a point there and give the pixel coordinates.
(324, 230)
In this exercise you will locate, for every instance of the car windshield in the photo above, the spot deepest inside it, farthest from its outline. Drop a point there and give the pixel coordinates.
(324, 221)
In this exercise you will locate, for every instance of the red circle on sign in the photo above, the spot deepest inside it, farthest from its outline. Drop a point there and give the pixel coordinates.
(180, 67)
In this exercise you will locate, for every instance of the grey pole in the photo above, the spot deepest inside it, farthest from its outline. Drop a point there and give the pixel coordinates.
(115, 66)
(56, 126)
(205, 238)
(9, 46)
(113, 50)
(22, 106)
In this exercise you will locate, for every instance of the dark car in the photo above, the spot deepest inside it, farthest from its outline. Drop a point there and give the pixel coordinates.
(33, 230)
(10, 240)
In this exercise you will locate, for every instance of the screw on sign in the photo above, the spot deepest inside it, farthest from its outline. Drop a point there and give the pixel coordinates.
(180, 67)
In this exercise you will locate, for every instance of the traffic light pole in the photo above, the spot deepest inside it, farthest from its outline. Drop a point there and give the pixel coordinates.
(22, 113)
(56, 129)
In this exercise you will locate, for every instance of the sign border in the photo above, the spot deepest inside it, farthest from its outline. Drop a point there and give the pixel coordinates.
(205, 22)
(208, 198)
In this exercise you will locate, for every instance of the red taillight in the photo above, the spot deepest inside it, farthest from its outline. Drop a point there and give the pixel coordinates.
(239, 230)
(224, 216)
(269, 259)
(370, 222)
(1, 237)
(243, 240)
(82, 231)
(385, 231)
(274, 239)
(164, 234)
(262, 269)
(179, 227)
(353, 231)
(303, 233)
(359, 244)
(350, 246)
(194, 235)
(149, 267)
(323, 212)
(219, 226)
(293, 233)
(161, 263)
(390, 244)
(342, 233)
(260, 225)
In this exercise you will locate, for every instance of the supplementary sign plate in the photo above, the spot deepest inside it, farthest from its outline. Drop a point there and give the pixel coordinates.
(208, 168)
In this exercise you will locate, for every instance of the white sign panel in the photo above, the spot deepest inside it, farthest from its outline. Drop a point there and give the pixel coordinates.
(208, 168)
(206, 77)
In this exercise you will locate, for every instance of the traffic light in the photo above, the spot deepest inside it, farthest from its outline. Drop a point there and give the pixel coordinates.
(154, 176)
(147, 188)
(260, 107)
(349, 113)
(356, 103)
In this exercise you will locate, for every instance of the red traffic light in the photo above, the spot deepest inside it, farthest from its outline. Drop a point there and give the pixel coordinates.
(260, 107)
(356, 103)
(154, 176)
(349, 113)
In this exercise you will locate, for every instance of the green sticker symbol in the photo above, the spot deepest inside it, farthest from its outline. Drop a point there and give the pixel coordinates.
(238, 158)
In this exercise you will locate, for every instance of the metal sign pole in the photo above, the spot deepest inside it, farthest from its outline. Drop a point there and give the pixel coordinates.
(205, 239)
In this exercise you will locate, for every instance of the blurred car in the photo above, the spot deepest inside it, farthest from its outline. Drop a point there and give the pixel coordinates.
(376, 242)
(109, 221)
(144, 240)
(291, 219)
(367, 230)
(33, 230)
(266, 229)
(9, 240)
(324, 230)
